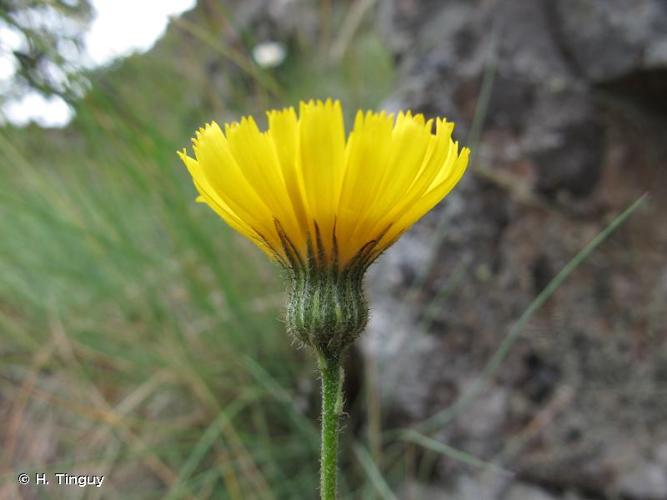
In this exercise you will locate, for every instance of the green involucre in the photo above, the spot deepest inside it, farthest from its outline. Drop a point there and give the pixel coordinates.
(327, 309)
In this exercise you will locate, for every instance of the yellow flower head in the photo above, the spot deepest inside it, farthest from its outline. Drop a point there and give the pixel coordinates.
(305, 193)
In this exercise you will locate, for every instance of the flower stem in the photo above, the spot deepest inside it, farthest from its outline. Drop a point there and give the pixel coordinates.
(331, 409)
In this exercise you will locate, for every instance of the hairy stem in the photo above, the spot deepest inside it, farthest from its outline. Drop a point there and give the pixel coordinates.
(331, 373)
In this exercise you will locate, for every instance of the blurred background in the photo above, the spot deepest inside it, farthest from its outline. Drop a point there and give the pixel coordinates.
(518, 343)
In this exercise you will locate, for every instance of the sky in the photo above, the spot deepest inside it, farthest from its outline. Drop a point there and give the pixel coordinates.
(121, 27)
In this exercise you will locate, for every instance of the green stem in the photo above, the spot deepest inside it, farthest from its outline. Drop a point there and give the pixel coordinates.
(331, 408)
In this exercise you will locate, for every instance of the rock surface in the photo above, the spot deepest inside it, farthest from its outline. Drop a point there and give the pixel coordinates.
(567, 101)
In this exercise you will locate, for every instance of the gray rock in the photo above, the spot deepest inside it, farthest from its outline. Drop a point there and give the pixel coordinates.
(565, 139)
(526, 492)
(647, 480)
(572, 133)
(605, 39)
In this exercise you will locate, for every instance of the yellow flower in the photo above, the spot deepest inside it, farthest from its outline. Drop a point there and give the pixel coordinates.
(303, 192)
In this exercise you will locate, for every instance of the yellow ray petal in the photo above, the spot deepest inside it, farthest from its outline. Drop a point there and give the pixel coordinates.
(209, 197)
(221, 171)
(440, 154)
(283, 131)
(320, 160)
(366, 158)
(258, 160)
(433, 196)
(408, 146)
